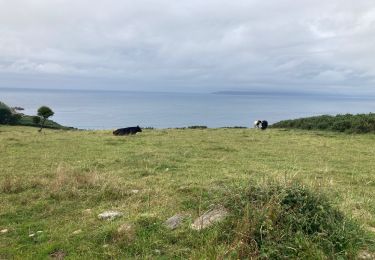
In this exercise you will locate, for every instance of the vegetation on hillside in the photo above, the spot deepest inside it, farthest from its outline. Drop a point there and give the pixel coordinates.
(10, 116)
(360, 123)
(53, 186)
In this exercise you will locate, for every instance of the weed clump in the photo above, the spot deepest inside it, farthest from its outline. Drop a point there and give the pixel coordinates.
(291, 222)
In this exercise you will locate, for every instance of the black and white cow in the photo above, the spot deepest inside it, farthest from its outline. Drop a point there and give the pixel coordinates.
(261, 124)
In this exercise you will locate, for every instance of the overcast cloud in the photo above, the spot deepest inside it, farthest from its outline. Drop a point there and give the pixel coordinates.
(193, 45)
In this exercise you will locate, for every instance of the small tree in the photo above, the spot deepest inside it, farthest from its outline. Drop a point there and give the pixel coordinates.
(44, 112)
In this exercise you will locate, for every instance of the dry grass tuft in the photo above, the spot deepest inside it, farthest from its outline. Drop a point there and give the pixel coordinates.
(12, 185)
(68, 178)
(125, 233)
(72, 182)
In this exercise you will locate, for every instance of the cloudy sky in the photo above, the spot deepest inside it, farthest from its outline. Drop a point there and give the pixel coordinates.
(192, 45)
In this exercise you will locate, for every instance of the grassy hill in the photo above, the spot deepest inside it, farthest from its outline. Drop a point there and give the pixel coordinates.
(293, 194)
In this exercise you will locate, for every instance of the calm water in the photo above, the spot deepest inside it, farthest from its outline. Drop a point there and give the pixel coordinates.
(113, 109)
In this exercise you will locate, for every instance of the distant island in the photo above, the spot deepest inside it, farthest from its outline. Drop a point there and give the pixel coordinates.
(291, 94)
(257, 93)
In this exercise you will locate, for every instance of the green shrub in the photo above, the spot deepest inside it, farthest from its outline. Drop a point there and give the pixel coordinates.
(361, 123)
(7, 116)
(36, 120)
(341, 126)
(291, 222)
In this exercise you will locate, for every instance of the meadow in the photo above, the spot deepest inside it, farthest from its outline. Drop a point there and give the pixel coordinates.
(54, 184)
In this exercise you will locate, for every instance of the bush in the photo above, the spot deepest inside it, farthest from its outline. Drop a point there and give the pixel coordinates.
(341, 126)
(36, 120)
(361, 123)
(7, 116)
(291, 222)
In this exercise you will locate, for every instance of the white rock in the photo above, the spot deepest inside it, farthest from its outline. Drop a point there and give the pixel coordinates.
(77, 232)
(31, 235)
(39, 232)
(3, 231)
(174, 222)
(134, 191)
(209, 217)
(372, 229)
(110, 215)
(87, 211)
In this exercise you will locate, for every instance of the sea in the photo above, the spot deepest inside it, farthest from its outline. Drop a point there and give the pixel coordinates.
(100, 109)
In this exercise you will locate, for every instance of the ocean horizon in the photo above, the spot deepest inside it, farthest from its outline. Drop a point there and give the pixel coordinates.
(109, 109)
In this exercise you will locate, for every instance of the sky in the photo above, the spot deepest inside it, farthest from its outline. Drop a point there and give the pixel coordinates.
(189, 45)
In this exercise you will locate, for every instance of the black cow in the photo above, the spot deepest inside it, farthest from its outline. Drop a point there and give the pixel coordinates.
(264, 125)
(127, 131)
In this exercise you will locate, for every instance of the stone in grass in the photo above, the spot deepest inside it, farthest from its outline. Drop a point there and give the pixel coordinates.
(109, 215)
(371, 229)
(365, 255)
(174, 221)
(87, 211)
(209, 217)
(3, 231)
(39, 232)
(78, 231)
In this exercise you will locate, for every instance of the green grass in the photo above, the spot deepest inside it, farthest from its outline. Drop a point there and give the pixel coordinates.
(59, 181)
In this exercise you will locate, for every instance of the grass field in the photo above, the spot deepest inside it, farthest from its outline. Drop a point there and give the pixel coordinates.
(58, 182)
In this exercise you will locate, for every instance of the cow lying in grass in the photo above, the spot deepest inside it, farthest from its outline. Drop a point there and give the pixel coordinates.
(127, 131)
